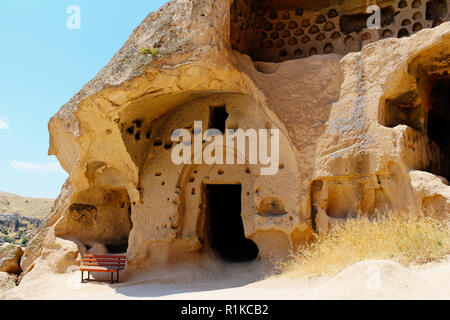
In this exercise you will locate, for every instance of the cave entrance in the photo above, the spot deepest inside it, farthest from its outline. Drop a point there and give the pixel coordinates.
(226, 230)
(438, 127)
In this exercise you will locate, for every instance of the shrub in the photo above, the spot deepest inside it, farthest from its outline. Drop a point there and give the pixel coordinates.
(152, 51)
(144, 51)
(24, 241)
(405, 237)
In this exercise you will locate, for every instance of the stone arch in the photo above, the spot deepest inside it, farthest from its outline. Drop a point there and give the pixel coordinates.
(167, 218)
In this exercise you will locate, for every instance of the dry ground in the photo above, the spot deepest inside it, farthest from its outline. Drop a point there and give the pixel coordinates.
(380, 279)
(28, 207)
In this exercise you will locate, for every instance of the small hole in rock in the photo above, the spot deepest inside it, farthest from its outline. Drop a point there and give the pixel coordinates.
(138, 123)
(335, 35)
(137, 136)
(130, 130)
(406, 22)
(332, 13)
(417, 15)
(329, 26)
(314, 29)
(286, 34)
(402, 4)
(403, 33)
(313, 51)
(386, 33)
(299, 32)
(417, 26)
(280, 26)
(320, 37)
(305, 23)
(306, 39)
(321, 19)
(416, 3)
(437, 23)
(349, 40)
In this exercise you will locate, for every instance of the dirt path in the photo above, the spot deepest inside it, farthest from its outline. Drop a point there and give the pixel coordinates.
(364, 280)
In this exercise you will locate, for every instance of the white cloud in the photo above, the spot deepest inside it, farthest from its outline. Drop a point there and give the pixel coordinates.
(37, 167)
(4, 123)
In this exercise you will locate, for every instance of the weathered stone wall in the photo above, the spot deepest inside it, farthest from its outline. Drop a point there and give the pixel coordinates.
(347, 145)
(276, 31)
(172, 205)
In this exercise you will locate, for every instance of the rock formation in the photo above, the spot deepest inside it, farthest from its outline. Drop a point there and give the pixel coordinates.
(363, 116)
(7, 281)
(10, 256)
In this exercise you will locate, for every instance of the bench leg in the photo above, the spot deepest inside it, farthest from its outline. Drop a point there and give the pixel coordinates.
(112, 277)
(118, 272)
(89, 275)
(82, 280)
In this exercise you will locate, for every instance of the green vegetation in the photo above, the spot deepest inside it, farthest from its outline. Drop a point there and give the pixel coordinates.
(152, 51)
(24, 241)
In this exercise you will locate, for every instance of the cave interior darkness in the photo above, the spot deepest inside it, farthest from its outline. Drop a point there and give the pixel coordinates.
(224, 222)
(438, 127)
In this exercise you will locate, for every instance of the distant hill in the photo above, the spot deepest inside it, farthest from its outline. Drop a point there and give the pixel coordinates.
(21, 217)
(28, 207)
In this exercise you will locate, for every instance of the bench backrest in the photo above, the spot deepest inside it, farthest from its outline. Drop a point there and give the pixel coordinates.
(93, 260)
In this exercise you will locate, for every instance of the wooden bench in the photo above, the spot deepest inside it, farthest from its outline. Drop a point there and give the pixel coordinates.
(102, 263)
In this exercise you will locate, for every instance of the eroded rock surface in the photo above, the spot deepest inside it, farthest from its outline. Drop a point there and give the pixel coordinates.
(363, 129)
(10, 258)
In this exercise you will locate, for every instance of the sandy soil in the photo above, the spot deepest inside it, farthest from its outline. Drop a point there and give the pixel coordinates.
(365, 280)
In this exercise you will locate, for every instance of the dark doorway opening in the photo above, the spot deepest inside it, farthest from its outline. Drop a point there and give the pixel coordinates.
(439, 121)
(226, 230)
(218, 118)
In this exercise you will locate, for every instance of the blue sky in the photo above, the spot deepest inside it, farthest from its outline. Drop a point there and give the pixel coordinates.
(42, 65)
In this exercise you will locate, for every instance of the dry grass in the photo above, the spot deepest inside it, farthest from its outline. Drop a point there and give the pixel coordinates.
(405, 237)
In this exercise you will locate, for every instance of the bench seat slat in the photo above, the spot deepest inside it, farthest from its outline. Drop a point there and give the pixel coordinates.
(100, 269)
(104, 264)
(104, 256)
(104, 260)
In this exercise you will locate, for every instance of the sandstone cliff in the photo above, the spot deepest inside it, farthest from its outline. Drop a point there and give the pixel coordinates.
(363, 123)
